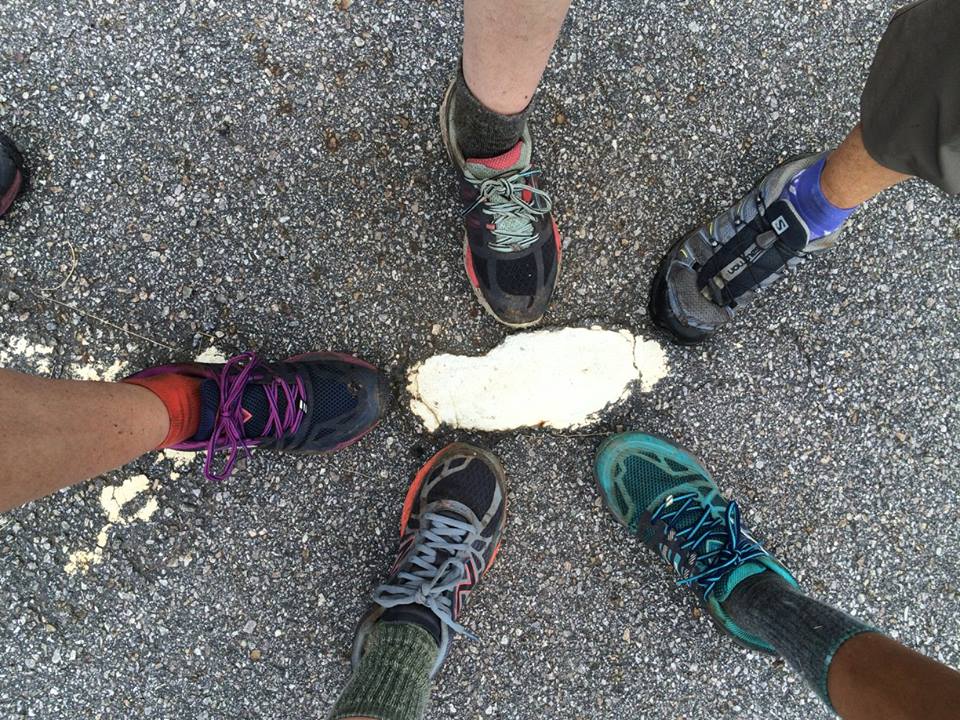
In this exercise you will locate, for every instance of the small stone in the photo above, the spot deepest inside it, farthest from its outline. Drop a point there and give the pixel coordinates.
(435, 330)
(255, 655)
(250, 626)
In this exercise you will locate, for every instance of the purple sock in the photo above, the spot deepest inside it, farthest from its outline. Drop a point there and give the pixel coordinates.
(806, 196)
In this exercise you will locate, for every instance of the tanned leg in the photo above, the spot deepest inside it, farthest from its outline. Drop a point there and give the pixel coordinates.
(873, 677)
(851, 177)
(54, 433)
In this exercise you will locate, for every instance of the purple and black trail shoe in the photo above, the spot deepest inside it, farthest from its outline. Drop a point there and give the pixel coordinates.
(314, 403)
(13, 173)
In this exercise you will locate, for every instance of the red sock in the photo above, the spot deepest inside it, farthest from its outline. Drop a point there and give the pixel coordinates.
(181, 396)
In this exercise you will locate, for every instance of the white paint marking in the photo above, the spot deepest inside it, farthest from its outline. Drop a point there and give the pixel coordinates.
(212, 354)
(16, 347)
(113, 499)
(97, 372)
(180, 458)
(550, 378)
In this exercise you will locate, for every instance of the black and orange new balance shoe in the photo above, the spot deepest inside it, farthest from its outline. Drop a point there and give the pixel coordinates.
(450, 530)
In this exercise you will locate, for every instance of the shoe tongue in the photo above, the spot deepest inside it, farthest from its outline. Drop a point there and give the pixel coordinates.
(255, 410)
(415, 614)
(787, 224)
(484, 168)
(733, 578)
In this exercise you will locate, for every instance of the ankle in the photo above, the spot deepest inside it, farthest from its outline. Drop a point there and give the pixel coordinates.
(806, 193)
(481, 132)
(392, 680)
(742, 593)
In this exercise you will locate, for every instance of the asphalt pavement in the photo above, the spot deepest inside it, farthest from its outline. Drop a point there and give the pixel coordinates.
(270, 175)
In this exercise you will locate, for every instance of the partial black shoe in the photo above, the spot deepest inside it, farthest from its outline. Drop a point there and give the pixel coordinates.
(511, 248)
(706, 278)
(13, 173)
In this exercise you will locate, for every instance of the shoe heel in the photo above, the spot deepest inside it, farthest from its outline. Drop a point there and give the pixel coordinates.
(444, 130)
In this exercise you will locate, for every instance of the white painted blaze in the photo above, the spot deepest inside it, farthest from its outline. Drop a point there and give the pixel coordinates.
(550, 378)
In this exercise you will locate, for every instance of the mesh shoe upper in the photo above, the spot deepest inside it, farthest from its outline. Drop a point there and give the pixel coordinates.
(663, 495)
(711, 273)
(511, 239)
(11, 173)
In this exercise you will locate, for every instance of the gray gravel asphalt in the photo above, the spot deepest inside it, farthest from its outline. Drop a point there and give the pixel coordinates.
(270, 175)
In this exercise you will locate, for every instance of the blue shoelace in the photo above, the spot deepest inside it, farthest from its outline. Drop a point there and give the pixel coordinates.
(733, 547)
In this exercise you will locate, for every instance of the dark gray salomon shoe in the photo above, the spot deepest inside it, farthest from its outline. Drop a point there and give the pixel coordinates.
(707, 277)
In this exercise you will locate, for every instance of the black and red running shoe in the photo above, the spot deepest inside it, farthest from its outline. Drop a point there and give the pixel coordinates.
(450, 530)
(511, 248)
(314, 403)
(13, 173)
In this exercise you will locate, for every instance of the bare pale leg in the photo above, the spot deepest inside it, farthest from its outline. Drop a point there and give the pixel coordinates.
(54, 433)
(506, 46)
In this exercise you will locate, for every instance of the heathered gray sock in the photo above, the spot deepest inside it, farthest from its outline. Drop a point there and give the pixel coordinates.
(483, 133)
(393, 679)
(805, 632)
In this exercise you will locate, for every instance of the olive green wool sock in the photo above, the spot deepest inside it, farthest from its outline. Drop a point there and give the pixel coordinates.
(393, 679)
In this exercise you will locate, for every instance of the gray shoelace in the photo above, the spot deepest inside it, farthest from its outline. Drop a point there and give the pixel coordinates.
(513, 217)
(434, 568)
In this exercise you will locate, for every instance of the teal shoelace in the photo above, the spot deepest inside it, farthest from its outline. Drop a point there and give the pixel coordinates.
(719, 542)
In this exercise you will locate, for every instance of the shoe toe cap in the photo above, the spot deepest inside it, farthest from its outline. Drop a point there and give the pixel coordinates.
(678, 306)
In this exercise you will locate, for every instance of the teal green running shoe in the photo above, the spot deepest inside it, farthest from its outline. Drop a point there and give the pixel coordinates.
(662, 494)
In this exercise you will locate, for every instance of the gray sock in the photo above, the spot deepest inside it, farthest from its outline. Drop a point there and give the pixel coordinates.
(483, 133)
(805, 632)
